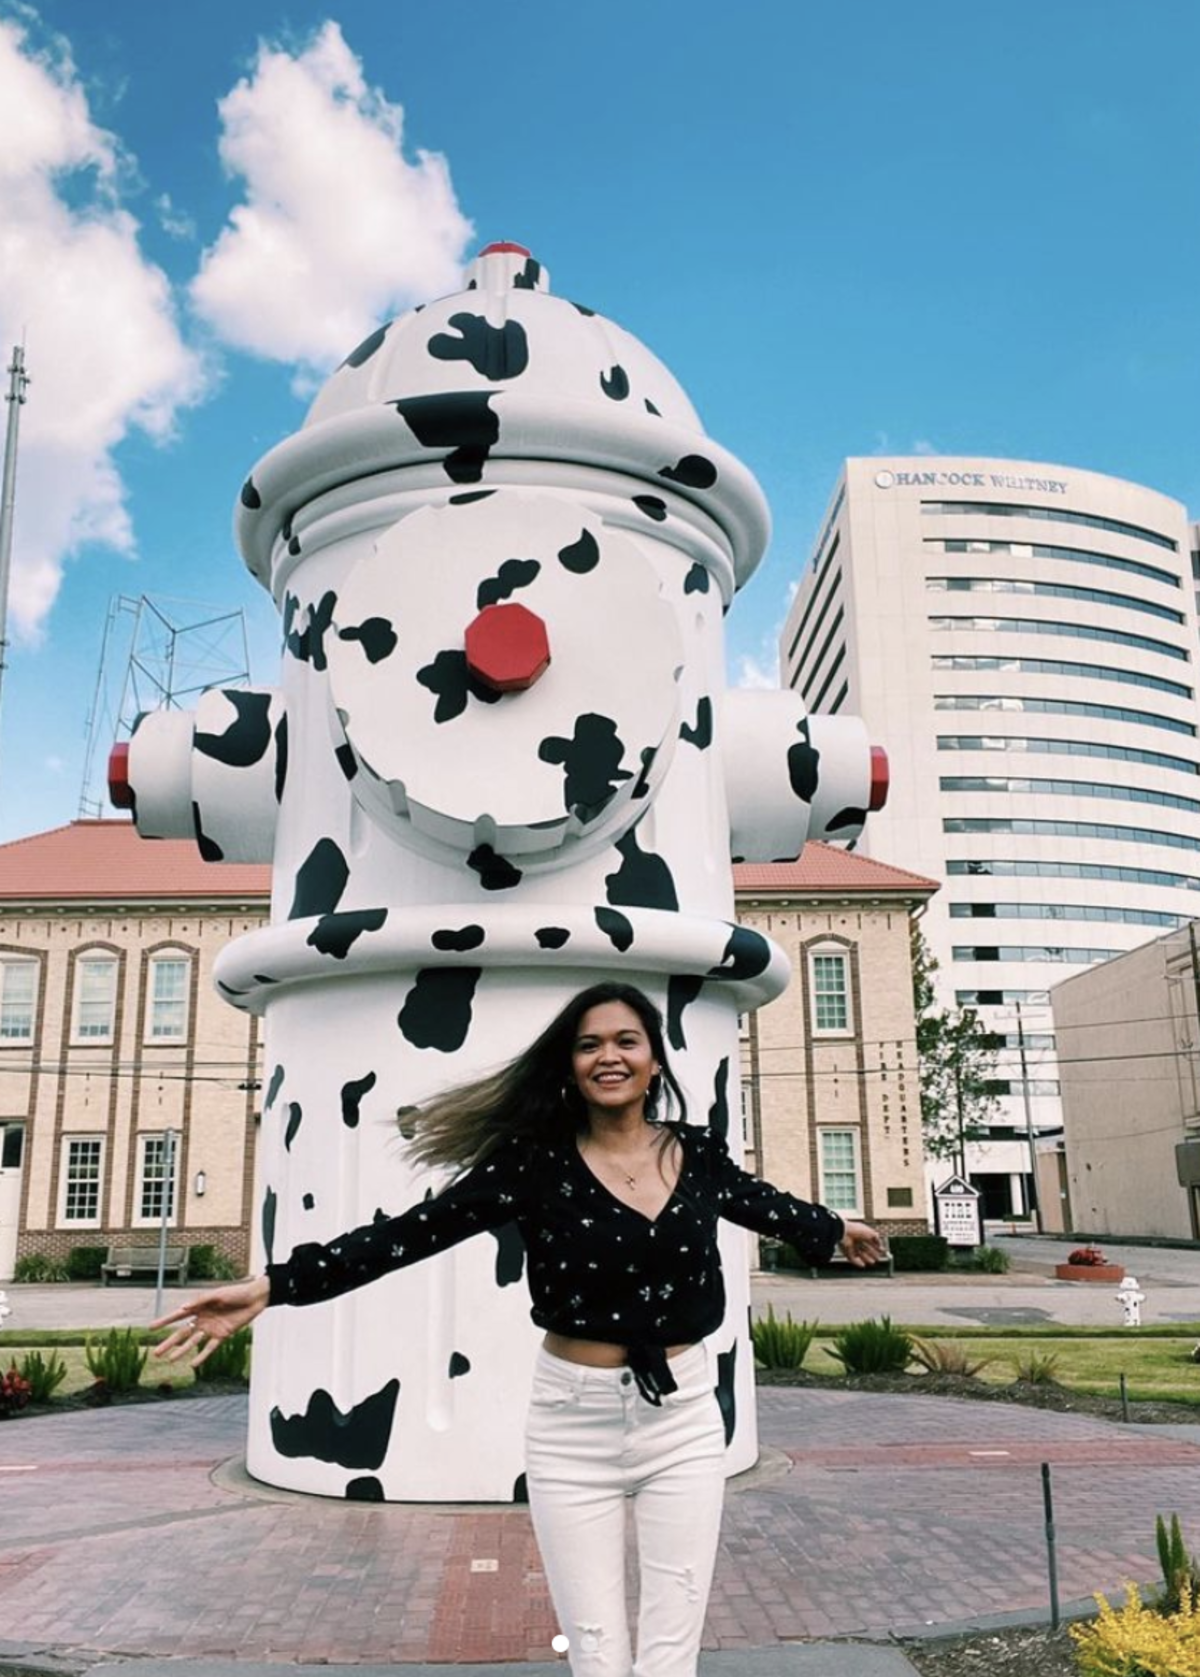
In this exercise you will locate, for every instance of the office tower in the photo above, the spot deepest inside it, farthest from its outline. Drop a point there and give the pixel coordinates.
(1022, 638)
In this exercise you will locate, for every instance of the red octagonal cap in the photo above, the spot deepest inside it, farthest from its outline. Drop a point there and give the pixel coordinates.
(507, 648)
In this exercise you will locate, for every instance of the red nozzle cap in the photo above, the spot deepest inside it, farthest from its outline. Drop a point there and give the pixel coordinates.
(507, 648)
(881, 776)
(503, 248)
(120, 792)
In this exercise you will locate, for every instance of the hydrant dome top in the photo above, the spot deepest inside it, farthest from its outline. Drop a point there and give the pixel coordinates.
(482, 387)
(506, 331)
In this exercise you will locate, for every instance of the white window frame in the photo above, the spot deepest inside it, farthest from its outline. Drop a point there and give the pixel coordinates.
(156, 1141)
(746, 1111)
(69, 1143)
(79, 1035)
(11, 964)
(158, 963)
(842, 955)
(827, 1132)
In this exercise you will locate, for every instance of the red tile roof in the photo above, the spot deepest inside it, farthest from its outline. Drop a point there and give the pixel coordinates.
(91, 860)
(823, 869)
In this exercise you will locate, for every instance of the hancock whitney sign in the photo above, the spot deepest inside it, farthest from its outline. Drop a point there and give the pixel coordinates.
(969, 480)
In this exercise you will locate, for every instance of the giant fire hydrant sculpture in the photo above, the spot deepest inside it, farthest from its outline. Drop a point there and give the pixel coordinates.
(500, 766)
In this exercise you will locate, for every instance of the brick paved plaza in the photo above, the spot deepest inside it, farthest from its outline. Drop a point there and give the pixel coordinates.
(133, 1531)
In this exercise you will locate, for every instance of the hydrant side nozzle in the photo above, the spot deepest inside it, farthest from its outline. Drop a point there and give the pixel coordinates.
(120, 792)
(881, 776)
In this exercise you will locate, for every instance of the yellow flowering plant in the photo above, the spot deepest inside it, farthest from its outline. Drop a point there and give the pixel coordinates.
(1137, 1641)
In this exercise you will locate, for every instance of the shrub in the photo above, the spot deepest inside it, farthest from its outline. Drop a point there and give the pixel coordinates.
(14, 1392)
(230, 1360)
(43, 1375)
(1037, 1368)
(781, 1344)
(85, 1263)
(918, 1251)
(1137, 1640)
(206, 1263)
(945, 1357)
(200, 1263)
(992, 1260)
(118, 1360)
(36, 1267)
(873, 1347)
(1180, 1570)
(1087, 1257)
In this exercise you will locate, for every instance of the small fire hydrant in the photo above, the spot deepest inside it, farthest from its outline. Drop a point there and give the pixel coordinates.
(1130, 1297)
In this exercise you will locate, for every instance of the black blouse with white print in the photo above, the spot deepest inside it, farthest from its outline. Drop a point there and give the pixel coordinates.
(598, 1268)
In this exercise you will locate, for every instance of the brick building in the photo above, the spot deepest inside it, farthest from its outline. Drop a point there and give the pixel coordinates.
(111, 1035)
(830, 1093)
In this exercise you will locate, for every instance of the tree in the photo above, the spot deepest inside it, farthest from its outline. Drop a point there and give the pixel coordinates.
(956, 1055)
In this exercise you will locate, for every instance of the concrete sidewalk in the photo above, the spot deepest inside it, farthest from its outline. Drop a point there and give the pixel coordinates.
(133, 1534)
(812, 1660)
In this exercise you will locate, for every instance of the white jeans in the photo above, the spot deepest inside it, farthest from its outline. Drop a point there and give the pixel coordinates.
(593, 1441)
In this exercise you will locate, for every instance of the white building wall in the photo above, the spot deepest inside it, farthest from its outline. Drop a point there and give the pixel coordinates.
(1094, 692)
(1129, 1042)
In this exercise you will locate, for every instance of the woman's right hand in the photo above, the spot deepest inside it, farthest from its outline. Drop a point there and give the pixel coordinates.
(209, 1319)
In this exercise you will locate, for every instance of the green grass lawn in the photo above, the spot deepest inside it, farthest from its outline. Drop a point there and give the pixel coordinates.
(80, 1377)
(1158, 1366)
(71, 1346)
(1156, 1361)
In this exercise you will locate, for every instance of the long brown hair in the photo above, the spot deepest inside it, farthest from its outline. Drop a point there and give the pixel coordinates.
(534, 1097)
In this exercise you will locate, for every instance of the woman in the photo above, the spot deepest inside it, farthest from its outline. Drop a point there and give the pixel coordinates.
(582, 1140)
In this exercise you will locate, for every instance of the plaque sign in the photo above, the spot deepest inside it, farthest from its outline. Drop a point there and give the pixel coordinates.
(957, 1213)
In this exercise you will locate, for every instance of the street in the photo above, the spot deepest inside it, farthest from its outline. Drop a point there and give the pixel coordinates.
(1169, 1277)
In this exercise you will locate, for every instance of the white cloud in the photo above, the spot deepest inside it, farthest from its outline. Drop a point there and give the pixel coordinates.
(174, 222)
(760, 672)
(336, 229)
(102, 343)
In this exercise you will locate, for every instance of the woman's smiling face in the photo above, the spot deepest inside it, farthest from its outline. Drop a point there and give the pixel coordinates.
(612, 1061)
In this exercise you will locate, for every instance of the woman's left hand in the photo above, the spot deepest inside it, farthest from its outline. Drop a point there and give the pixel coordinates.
(862, 1245)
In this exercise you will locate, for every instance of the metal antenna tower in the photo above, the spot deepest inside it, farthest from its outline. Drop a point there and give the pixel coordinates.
(18, 378)
(157, 654)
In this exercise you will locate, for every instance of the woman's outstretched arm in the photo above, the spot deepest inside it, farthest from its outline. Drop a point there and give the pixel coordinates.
(209, 1319)
(813, 1230)
(490, 1194)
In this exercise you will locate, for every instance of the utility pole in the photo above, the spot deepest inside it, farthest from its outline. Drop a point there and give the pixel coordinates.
(18, 378)
(962, 1134)
(1035, 1204)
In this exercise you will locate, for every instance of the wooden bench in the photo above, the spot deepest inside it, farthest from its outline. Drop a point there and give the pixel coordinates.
(123, 1263)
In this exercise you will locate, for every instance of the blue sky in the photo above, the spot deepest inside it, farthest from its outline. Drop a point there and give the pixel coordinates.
(847, 230)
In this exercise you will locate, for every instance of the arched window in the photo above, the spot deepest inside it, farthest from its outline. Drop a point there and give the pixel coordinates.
(18, 998)
(96, 974)
(167, 994)
(829, 983)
